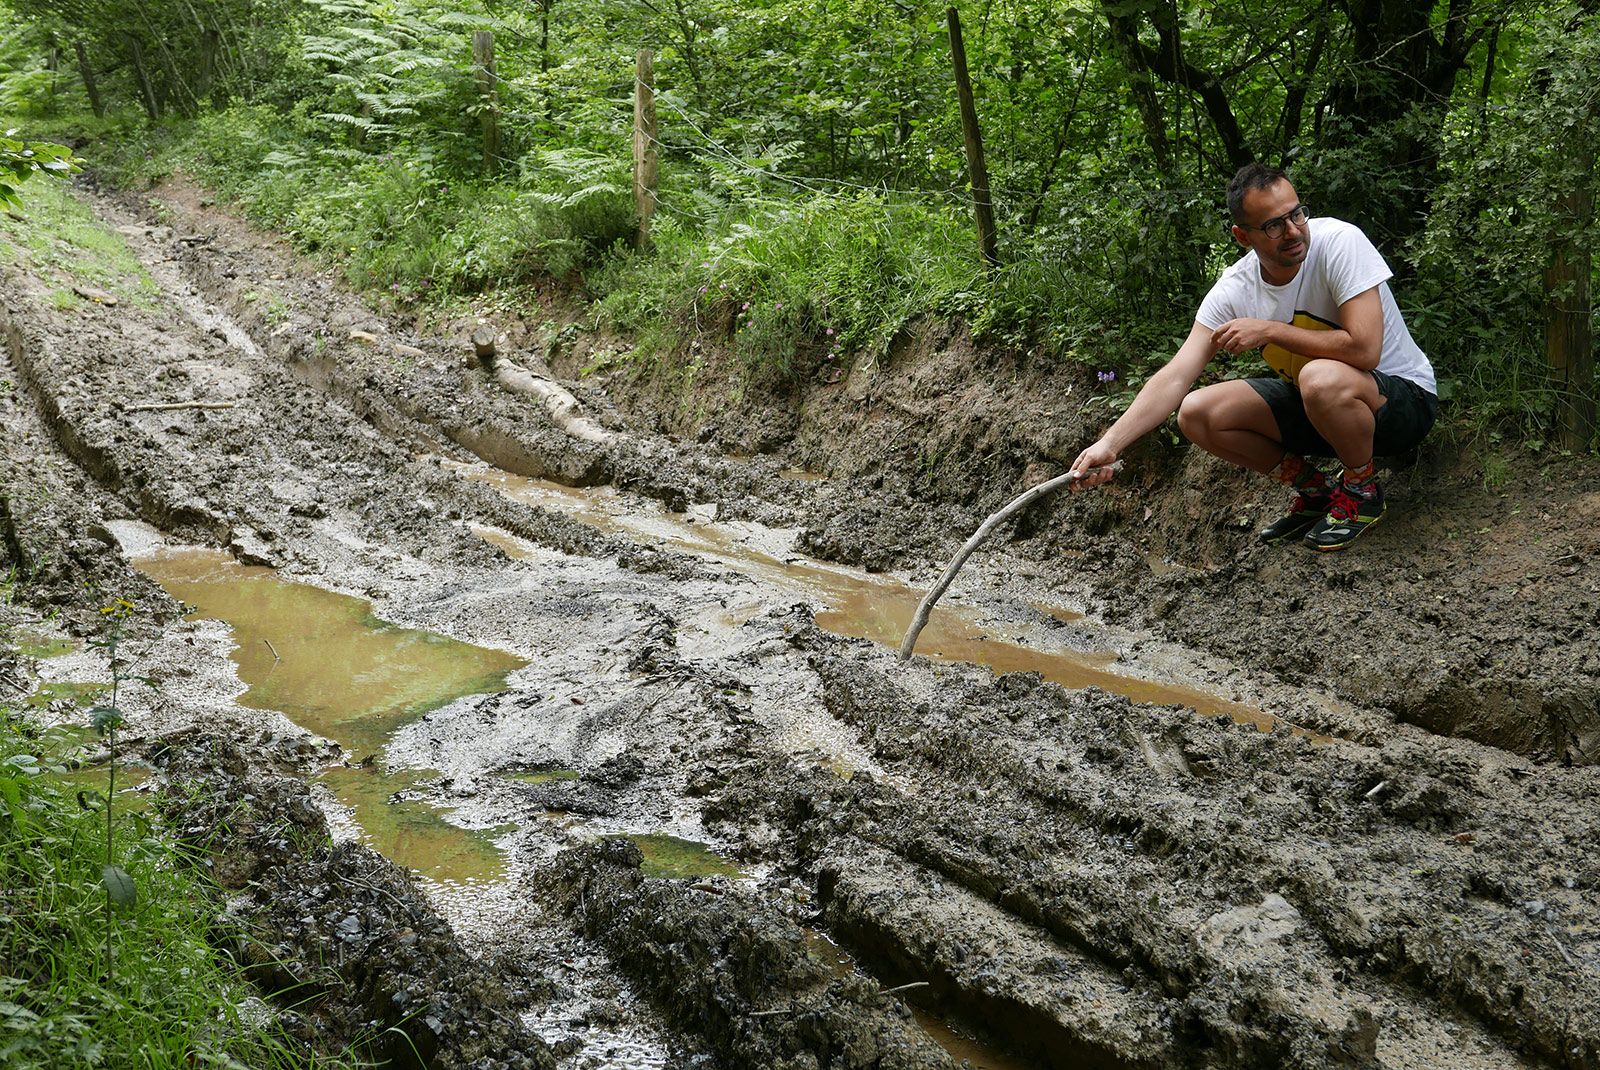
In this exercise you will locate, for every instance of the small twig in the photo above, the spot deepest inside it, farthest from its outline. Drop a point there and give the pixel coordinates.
(769, 1014)
(376, 890)
(1559, 947)
(1376, 788)
(902, 988)
(272, 648)
(169, 406)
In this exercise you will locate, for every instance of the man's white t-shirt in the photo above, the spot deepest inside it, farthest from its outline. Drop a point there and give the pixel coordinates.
(1340, 263)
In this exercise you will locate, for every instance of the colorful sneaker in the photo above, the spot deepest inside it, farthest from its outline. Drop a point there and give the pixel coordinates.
(1308, 507)
(1354, 508)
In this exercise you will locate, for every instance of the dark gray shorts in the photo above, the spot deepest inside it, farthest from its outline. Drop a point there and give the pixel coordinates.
(1404, 420)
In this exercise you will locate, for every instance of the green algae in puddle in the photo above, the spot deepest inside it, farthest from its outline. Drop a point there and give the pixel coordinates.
(542, 776)
(323, 660)
(413, 833)
(668, 856)
(98, 778)
(76, 692)
(33, 643)
(62, 741)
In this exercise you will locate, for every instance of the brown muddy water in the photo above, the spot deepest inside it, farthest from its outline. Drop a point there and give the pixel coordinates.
(324, 661)
(967, 1050)
(851, 603)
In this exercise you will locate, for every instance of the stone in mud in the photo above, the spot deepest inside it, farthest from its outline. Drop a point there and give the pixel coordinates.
(1241, 929)
(250, 549)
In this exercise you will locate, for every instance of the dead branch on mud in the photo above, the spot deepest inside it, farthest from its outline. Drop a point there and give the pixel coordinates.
(1021, 501)
(172, 406)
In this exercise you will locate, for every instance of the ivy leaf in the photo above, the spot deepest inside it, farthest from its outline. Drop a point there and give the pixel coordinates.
(119, 885)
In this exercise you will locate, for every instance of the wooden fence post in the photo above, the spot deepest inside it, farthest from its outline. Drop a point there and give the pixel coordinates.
(88, 79)
(489, 105)
(978, 174)
(1568, 311)
(645, 158)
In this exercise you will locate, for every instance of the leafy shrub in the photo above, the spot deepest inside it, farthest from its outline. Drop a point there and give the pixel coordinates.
(172, 1002)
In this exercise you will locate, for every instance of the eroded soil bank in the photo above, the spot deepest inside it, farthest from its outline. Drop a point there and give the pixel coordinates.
(1088, 879)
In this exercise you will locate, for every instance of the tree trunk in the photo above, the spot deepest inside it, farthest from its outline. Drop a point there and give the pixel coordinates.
(1125, 41)
(1569, 308)
(141, 73)
(1401, 63)
(208, 65)
(88, 80)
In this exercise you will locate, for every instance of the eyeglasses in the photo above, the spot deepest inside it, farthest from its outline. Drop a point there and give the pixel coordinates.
(1274, 227)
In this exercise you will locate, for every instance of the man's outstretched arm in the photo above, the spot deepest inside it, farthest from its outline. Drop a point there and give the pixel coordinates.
(1158, 399)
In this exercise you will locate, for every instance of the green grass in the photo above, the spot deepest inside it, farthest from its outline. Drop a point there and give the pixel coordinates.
(170, 999)
(60, 240)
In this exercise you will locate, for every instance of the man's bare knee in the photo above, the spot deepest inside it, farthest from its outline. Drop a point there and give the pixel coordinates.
(1328, 384)
(1194, 419)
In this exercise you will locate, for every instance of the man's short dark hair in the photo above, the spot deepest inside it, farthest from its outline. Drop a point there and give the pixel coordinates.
(1251, 176)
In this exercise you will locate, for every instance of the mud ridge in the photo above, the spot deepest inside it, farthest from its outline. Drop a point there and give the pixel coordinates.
(736, 972)
(1053, 815)
(339, 932)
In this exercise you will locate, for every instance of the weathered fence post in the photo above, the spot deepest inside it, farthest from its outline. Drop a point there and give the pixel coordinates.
(88, 79)
(645, 158)
(977, 172)
(1568, 312)
(489, 106)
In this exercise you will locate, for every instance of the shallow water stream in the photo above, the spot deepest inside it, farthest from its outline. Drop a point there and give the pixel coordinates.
(849, 602)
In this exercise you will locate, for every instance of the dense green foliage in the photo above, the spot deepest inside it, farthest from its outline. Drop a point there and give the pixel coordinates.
(169, 999)
(812, 156)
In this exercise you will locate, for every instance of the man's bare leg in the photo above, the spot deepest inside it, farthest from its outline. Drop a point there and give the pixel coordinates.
(1342, 403)
(1233, 422)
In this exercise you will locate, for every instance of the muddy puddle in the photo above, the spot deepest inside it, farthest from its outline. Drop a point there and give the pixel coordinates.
(850, 603)
(325, 662)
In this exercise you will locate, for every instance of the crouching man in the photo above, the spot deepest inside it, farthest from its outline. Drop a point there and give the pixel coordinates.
(1349, 383)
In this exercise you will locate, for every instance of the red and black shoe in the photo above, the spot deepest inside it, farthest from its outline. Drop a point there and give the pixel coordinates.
(1353, 509)
(1309, 506)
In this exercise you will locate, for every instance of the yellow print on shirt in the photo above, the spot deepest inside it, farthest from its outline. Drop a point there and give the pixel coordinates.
(1288, 363)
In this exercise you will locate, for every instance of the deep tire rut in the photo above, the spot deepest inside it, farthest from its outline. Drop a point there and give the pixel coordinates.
(1095, 882)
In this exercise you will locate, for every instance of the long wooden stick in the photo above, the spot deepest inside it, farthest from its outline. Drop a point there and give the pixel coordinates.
(175, 405)
(1026, 498)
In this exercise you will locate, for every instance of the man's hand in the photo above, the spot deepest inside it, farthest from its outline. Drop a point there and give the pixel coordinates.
(1240, 335)
(1099, 456)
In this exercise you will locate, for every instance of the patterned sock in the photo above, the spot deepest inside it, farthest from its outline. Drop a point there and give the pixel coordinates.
(1300, 474)
(1360, 477)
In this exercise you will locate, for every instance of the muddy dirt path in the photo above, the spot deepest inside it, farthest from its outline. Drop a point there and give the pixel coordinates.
(657, 768)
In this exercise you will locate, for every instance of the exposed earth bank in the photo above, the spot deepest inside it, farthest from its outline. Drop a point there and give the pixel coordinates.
(1408, 881)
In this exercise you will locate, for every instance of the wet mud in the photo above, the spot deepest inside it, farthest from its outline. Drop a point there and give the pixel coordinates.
(654, 789)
